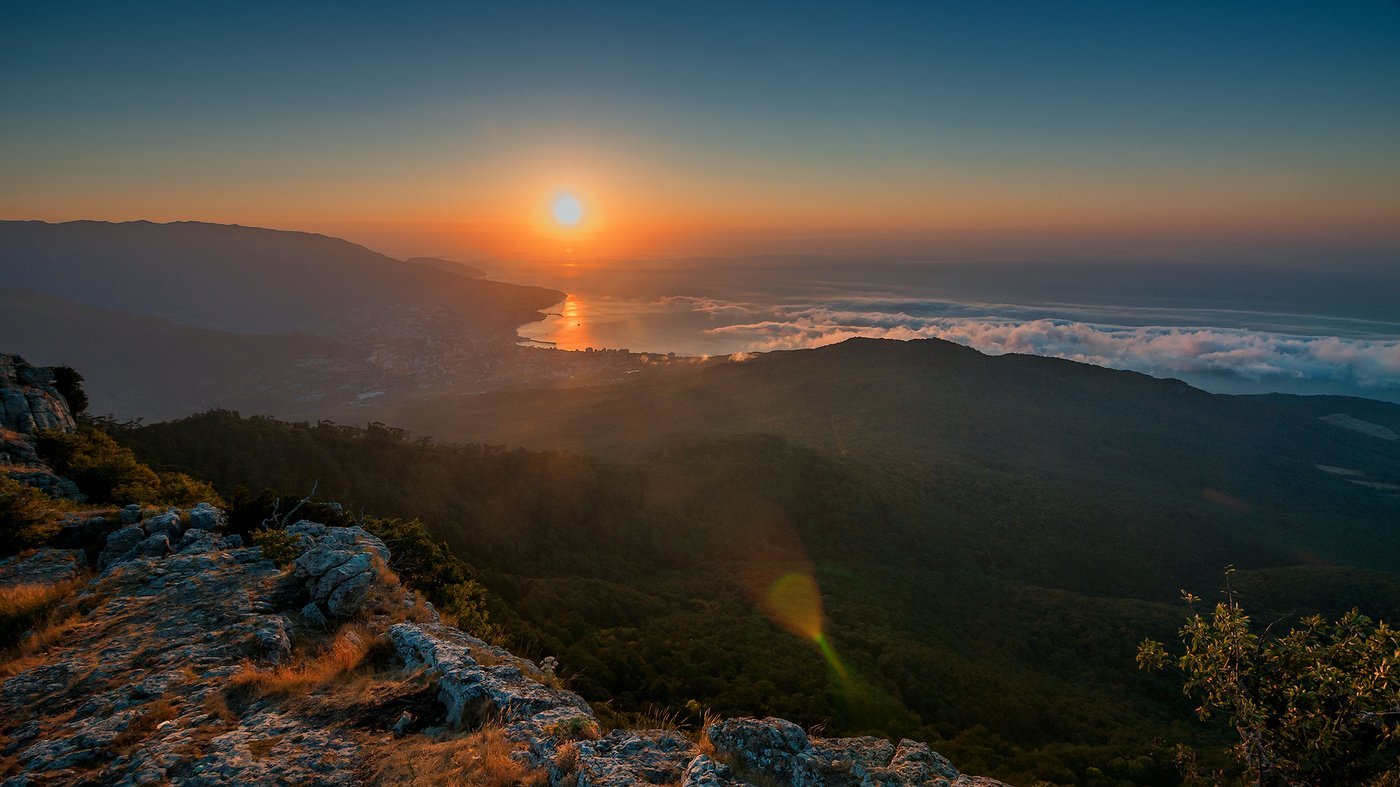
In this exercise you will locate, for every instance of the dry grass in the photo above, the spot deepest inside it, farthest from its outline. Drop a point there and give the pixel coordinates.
(216, 705)
(47, 613)
(479, 758)
(262, 747)
(29, 652)
(345, 652)
(575, 729)
(142, 726)
(26, 601)
(387, 599)
(655, 717)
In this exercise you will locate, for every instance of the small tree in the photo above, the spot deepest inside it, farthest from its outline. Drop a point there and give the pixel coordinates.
(1316, 705)
(70, 384)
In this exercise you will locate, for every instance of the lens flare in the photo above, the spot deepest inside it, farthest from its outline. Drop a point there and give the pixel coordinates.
(794, 601)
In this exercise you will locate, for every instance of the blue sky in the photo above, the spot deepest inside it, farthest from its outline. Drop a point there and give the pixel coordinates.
(686, 117)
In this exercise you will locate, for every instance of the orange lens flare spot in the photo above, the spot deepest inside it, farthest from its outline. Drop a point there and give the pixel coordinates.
(794, 602)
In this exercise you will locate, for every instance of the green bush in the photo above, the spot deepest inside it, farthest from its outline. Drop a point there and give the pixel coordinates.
(1317, 704)
(104, 471)
(70, 384)
(279, 546)
(28, 517)
(179, 489)
(110, 473)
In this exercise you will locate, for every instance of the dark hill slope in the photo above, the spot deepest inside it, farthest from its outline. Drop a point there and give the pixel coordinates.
(246, 279)
(145, 367)
(936, 399)
(1225, 467)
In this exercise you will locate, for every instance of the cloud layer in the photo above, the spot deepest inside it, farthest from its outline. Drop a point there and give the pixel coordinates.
(1168, 351)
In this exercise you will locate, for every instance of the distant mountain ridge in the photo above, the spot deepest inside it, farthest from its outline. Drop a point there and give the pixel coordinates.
(171, 319)
(246, 279)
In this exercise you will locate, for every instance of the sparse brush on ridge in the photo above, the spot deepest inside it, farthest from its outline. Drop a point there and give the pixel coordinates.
(343, 654)
(24, 607)
(110, 473)
(28, 517)
(483, 757)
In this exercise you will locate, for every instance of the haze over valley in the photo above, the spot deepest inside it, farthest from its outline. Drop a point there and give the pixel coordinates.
(707, 395)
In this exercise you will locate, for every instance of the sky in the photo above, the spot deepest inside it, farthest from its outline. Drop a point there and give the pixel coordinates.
(717, 127)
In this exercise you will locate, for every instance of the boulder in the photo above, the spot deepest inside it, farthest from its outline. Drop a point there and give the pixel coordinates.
(29, 401)
(196, 540)
(131, 514)
(338, 565)
(119, 543)
(313, 614)
(207, 517)
(471, 692)
(781, 751)
(168, 523)
(157, 545)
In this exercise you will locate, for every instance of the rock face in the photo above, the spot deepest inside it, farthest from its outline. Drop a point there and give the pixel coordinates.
(43, 566)
(338, 566)
(28, 399)
(150, 685)
(29, 402)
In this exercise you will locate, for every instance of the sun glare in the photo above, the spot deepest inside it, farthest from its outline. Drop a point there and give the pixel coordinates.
(567, 210)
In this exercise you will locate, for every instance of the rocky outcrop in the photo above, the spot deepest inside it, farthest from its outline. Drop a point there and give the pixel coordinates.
(43, 566)
(338, 566)
(150, 684)
(29, 402)
(28, 399)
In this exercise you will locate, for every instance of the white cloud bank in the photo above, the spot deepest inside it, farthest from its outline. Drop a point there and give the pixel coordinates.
(1164, 351)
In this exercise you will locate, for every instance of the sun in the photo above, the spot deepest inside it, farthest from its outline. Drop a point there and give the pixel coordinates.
(567, 210)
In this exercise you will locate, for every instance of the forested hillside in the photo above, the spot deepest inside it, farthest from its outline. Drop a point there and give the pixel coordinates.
(991, 612)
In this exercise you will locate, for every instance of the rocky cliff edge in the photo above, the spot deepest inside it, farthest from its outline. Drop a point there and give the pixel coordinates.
(179, 655)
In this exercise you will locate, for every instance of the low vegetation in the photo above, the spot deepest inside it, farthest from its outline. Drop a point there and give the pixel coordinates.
(314, 667)
(109, 473)
(1317, 703)
(993, 615)
(28, 517)
(24, 606)
(483, 757)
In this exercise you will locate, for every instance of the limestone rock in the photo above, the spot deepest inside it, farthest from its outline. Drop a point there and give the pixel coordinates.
(780, 750)
(627, 757)
(137, 692)
(168, 523)
(196, 540)
(471, 692)
(29, 401)
(45, 566)
(119, 543)
(338, 565)
(206, 517)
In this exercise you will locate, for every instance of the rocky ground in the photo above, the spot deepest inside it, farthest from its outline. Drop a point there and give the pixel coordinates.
(29, 402)
(186, 657)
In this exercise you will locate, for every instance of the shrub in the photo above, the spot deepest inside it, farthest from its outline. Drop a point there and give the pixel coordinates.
(1319, 704)
(27, 516)
(179, 489)
(70, 384)
(279, 546)
(343, 654)
(465, 604)
(104, 471)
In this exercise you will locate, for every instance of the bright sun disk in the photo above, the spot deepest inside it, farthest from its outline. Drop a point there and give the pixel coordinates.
(567, 210)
